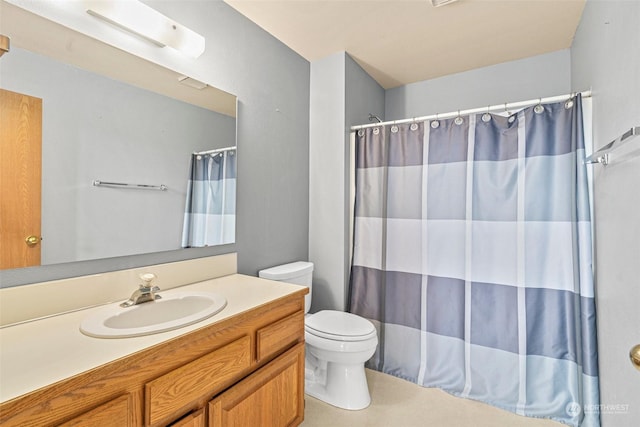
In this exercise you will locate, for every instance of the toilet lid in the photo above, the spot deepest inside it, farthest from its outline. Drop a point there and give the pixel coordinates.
(338, 325)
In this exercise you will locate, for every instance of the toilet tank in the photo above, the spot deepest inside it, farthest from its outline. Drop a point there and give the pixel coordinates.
(299, 273)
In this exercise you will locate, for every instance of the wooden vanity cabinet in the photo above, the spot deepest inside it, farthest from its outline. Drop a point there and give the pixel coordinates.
(117, 412)
(265, 397)
(181, 388)
(194, 419)
(247, 370)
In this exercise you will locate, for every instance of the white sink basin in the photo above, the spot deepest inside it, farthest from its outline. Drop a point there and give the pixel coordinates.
(173, 311)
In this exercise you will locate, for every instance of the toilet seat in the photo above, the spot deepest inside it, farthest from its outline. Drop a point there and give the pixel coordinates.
(339, 326)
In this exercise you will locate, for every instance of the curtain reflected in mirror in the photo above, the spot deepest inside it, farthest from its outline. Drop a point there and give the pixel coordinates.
(209, 217)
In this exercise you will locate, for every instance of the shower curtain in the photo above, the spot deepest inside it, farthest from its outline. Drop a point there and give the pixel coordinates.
(472, 256)
(209, 217)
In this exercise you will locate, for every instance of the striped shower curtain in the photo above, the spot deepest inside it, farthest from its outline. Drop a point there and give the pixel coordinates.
(473, 258)
(209, 217)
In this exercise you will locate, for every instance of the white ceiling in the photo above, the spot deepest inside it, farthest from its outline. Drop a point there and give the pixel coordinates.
(404, 41)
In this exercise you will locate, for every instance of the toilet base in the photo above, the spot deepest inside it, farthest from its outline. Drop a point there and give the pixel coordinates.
(341, 385)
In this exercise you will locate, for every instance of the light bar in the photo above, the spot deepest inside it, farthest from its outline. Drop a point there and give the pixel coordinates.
(438, 3)
(149, 24)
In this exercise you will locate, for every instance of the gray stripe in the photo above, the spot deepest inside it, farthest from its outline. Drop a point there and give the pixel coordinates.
(407, 145)
(371, 148)
(566, 134)
(588, 336)
(494, 316)
(551, 330)
(445, 306)
(497, 139)
(448, 142)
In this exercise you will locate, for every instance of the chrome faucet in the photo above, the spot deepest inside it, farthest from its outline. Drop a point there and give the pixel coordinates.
(146, 292)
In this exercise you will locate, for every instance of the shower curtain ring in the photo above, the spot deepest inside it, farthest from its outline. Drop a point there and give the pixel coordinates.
(506, 109)
(435, 123)
(459, 120)
(486, 117)
(538, 109)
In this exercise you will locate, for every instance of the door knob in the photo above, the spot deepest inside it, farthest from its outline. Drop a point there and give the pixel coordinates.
(32, 240)
(634, 355)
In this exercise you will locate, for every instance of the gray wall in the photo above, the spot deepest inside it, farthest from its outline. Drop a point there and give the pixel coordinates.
(342, 94)
(606, 56)
(272, 85)
(97, 128)
(535, 77)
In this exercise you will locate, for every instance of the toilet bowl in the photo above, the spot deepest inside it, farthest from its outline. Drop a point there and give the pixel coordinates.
(336, 353)
(337, 346)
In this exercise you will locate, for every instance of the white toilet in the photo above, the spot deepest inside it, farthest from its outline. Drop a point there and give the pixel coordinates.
(337, 346)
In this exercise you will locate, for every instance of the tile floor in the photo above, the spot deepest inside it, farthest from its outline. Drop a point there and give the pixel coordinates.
(400, 403)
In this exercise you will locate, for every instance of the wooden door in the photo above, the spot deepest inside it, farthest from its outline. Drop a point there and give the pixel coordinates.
(271, 397)
(20, 179)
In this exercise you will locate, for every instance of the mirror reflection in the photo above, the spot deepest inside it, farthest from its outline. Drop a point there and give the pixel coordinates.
(94, 128)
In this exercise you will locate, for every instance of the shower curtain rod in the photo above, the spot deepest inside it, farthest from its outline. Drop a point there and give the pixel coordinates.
(218, 150)
(504, 107)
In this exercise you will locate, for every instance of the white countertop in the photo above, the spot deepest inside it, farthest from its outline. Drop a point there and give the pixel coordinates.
(39, 353)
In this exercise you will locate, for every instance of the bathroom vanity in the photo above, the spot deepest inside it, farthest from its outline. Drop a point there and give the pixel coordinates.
(242, 367)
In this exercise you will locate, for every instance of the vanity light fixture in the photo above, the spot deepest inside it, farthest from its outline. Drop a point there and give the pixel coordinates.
(438, 3)
(145, 22)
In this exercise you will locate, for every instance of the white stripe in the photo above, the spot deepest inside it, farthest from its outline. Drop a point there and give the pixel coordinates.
(520, 278)
(208, 197)
(468, 255)
(224, 190)
(425, 249)
(352, 198)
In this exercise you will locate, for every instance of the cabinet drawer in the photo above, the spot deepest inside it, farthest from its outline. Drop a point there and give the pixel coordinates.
(279, 335)
(118, 411)
(179, 389)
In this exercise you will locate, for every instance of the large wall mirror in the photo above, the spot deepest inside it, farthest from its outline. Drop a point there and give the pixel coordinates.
(112, 117)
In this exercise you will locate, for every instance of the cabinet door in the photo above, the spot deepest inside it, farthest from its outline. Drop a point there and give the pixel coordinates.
(168, 396)
(195, 419)
(117, 412)
(271, 397)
